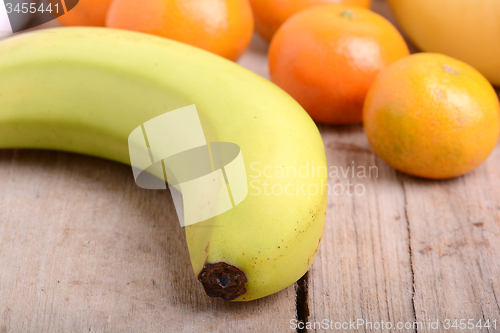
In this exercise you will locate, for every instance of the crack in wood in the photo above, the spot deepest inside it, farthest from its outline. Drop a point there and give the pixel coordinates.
(302, 308)
(495, 296)
(357, 253)
(410, 252)
(389, 317)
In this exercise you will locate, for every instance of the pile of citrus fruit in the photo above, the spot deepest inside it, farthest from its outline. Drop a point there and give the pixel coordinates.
(427, 114)
(224, 27)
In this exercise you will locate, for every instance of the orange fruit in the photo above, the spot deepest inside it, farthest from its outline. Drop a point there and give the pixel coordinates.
(87, 13)
(271, 14)
(224, 27)
(327, 57)
(432, 116)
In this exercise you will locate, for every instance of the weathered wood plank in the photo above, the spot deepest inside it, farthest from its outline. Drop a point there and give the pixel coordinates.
(82, 248)
(409, 250)
(363, 268)
(455, 246)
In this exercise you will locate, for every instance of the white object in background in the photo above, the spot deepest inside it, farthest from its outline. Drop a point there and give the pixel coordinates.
(13, 21)
(5, 28)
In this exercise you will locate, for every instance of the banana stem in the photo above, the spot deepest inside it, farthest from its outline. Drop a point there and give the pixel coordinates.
(223, 280)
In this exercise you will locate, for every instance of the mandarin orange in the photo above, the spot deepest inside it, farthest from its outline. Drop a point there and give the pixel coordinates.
(271, 14)
(432, 116)
(87, 13)
(224, 27)
(327, 57)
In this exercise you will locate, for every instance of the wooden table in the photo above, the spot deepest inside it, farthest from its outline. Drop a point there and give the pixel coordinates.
(83, 249)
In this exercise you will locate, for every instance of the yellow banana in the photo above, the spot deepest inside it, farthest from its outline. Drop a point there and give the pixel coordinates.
(468, 30)
(85, 90)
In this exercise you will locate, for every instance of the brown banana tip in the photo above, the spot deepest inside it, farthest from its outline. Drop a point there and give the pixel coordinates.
(223, 280)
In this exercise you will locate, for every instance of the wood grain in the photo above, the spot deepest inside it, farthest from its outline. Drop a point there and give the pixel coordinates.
(408, 250)
(82, 249)
(363, 269)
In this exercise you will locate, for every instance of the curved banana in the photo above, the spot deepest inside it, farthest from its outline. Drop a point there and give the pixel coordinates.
(85, 90)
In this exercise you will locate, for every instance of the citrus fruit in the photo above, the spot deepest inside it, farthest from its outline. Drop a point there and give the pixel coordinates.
(224, 27)
(432, 116)
(468, 30)
(87, 13)
(271, 14)
(327, 57)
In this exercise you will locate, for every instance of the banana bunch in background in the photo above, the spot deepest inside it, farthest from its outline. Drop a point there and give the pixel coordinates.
(85, 90)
